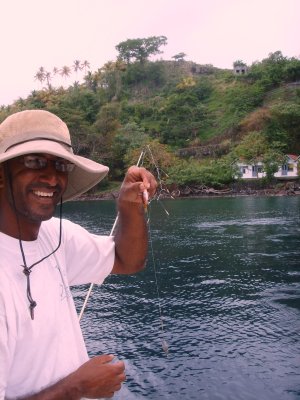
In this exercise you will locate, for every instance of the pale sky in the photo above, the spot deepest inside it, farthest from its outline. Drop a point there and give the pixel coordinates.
(53, 33)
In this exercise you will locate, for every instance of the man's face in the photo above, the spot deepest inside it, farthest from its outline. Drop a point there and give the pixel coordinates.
(34, 186)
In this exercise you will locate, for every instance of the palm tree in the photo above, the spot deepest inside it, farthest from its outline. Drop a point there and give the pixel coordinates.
(48, 78)
(40, 75)
(65, 71)
(55, 71)
(77, 66)
(85, 65)
(76, 85)
(89, 80)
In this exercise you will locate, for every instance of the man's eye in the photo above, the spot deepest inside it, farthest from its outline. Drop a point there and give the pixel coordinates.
(34, 162)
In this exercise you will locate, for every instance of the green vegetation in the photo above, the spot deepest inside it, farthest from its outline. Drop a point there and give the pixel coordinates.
(140, 49)
(198, 119)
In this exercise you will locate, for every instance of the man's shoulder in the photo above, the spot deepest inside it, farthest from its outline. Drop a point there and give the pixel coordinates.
(55, 227)
(54, 224)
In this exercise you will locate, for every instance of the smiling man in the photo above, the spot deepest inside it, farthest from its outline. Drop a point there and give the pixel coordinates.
(42, 352)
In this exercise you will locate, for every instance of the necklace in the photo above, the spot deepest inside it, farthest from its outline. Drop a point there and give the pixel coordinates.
(27, 270)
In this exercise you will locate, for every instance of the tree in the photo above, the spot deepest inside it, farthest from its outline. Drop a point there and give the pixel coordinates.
(128, 138)
(91, 81)
(40, 75)
(215, 173)
(271, 161)
(65, 71)
(292, 70)
(140, 49)
(110, 78)
(252, 147)
(107, 121)
(48, 78)
(286, 118)
(274, 70)
(77, 66)
(55, 72)
(239, 63)
(85, 65)
(179, 57)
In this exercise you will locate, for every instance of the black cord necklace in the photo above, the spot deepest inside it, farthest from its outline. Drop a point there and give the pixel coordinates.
(27, 270)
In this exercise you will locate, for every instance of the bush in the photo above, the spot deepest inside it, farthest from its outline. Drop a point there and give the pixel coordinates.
(214, 173)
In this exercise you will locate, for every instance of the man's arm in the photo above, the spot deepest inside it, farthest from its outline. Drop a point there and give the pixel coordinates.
(96, 378)
(131, 238)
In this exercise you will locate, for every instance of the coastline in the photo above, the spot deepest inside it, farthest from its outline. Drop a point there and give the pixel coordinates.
(198, 192)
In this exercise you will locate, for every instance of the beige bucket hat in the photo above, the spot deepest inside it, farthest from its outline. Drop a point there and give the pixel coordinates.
(39, 131)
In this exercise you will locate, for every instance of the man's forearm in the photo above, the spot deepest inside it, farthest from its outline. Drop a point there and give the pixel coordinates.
(131, 238)
(64, 389)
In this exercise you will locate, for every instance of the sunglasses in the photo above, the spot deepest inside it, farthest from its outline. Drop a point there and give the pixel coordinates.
(35, 161)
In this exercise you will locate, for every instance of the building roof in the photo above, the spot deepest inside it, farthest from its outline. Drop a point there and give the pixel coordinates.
(293, 157)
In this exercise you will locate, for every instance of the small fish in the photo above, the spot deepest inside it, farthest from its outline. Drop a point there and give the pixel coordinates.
(165, 346)
(145, 199)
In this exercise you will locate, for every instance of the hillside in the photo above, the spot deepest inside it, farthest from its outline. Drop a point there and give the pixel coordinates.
(197, 119)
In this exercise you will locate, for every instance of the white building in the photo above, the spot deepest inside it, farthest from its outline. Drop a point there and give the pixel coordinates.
(288, 170)
(240, 69)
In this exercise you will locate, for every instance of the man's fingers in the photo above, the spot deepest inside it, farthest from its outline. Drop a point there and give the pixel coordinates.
(139, 185)
(140, 174)
(104, 358)
(119, 367)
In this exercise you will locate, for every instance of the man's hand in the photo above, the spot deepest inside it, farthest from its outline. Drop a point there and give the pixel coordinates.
(99, 377)
(136, 181)
(96, 378)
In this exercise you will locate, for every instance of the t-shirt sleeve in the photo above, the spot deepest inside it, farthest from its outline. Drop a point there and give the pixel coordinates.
(3, 356)
(7, 344)
(89, 258)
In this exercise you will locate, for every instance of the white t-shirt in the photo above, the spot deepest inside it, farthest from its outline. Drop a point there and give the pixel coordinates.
(37, 353)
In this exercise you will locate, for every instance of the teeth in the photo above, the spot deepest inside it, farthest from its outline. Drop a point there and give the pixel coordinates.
(43, 194)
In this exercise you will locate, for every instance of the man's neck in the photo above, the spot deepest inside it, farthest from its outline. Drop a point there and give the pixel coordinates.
(16, 225)
(28, 232)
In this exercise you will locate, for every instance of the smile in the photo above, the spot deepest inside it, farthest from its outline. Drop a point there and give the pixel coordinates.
(43, 194)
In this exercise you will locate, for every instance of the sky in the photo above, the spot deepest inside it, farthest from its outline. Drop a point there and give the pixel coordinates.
(54, 33)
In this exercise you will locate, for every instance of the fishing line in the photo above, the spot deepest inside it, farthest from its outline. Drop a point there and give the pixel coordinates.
(160, 192)
(164, 343)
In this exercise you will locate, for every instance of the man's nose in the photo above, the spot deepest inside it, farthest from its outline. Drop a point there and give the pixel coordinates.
(49, 173)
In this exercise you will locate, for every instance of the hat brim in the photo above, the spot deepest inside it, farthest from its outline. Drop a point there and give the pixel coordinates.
(85, 175)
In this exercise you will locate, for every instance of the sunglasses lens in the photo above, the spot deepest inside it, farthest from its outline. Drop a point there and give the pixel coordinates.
(64, 166)
(35, 162)
(39, 162)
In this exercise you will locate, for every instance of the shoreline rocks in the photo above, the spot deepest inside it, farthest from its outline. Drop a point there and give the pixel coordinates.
(200, 191)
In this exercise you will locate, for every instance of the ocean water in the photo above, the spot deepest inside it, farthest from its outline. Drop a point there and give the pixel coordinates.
(223, 275)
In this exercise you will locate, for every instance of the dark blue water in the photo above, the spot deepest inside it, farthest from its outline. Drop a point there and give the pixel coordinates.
(229, 280)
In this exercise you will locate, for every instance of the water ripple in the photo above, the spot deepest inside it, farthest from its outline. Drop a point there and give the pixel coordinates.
(228, 277)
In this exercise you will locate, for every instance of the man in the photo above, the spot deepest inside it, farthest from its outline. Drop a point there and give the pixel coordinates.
(42, 353)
